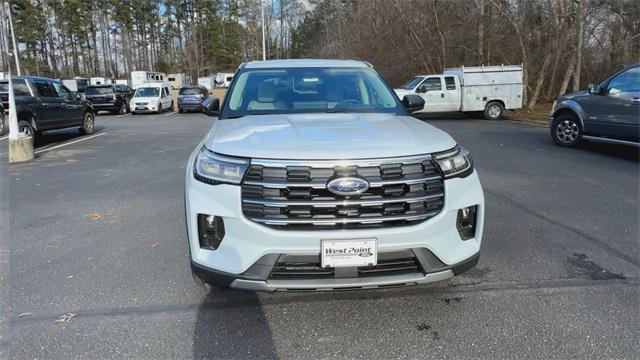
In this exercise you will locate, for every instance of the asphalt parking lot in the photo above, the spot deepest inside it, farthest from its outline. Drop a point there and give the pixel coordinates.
(96, 229)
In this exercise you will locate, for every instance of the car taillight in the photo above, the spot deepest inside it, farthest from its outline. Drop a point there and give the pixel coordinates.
(114, 97)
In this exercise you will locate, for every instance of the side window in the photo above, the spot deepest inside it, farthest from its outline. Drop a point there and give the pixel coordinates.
(450, 83)
(61, 90)
(433, 84)
(20, 88)
(44, 89)
(626, 82)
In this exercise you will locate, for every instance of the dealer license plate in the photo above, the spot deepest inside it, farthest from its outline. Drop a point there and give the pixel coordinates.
(351, 252)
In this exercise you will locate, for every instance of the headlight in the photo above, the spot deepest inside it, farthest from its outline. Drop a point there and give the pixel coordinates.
(214, 168)
(455, 162)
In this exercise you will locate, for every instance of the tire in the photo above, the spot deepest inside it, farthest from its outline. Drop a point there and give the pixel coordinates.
(159, 109)
(123, 109)
(88, 124)
(25, 127)
(566, 130)
(493, 111)
(2, 122)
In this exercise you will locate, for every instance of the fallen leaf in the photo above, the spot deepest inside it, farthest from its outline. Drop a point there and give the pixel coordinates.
(64, 318)
(95, 216)
(23, 314)
(155, 245)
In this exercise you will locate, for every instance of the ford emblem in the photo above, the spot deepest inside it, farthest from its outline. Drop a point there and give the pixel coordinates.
(348, 186)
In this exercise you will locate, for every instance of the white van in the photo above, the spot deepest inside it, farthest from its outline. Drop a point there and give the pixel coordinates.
(152, 97)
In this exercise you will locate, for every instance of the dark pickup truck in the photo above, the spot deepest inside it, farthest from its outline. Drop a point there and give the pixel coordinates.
(45, 104)
(113, 98)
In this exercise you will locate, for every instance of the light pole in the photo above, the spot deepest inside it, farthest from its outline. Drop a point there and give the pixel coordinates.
(264, 49)
(20, 144)
(13, 40)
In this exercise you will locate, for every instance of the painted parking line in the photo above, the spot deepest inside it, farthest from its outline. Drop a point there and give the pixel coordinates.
(171, 113)
(123, 115)
(69, 143)
(4, 137)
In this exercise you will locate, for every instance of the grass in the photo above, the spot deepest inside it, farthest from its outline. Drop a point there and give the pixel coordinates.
(538, 116)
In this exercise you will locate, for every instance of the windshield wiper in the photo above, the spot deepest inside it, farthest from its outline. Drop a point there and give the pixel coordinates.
(332, 111)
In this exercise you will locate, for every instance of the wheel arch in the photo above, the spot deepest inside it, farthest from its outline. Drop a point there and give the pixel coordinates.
(27, 115)
(569, 109)
(499, 101)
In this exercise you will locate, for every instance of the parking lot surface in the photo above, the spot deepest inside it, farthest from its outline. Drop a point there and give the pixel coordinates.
(96, 230)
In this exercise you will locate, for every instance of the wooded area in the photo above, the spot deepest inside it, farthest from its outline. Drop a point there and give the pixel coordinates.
(563, 44)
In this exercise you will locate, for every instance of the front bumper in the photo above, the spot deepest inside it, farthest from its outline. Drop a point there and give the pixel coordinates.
(248, 251)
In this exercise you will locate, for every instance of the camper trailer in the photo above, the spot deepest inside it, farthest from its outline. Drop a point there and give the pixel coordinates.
(144, 77)
(101, 81)
(179, 80)
(223, 80)
(77, 84)
(208, 82)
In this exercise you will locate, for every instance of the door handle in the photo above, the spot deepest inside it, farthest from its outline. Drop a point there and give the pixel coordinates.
(635, 100)
(441, 95)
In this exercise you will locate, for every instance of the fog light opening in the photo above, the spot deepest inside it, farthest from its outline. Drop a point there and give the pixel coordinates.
(466, 223)
(210, 231)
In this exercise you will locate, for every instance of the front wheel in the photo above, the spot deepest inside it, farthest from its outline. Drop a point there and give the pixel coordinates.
(566, 130)
(88, 124)
(493, 111)
(2, 122)
(159, 108)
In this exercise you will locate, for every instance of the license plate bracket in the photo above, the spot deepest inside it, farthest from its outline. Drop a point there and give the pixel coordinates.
(348, 252)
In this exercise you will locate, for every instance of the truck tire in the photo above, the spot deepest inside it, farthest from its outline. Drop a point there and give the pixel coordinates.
(88, 124)
(493, 111)
(566, 130)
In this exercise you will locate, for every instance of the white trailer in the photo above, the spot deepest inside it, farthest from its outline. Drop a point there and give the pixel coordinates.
(488, 89)
(223, 79)
(179, 80)
(208, 82)
(77, 84)
(144, 77)
(123, 82)
(101, 81)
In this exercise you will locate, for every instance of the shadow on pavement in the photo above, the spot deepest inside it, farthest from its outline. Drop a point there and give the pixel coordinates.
(56, 137)
(620, 151)
(230, 324)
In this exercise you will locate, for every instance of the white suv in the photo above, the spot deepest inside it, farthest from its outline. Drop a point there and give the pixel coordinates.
(315, 177)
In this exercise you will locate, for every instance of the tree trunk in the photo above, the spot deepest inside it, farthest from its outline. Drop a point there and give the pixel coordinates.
(567, 77)
(540, 82)
(580, 40)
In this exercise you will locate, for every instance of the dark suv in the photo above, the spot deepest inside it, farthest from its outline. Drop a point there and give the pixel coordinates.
(607, 112)
(191, 98)
(114, 98)
(45, 104)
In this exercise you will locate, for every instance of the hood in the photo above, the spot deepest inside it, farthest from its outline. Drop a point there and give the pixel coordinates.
(402, 92)
(326, 136)
(573, 95)
(145, 99)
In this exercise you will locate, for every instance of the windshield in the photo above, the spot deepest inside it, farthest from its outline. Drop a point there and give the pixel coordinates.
(190, 91)
(105, 90)
(413, 83)
(302, 90)
(147, 92)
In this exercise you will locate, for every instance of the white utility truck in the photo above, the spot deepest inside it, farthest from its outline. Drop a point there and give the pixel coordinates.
(179, 80)
(487, 89)
(77, 84)
(101, 81)
(139, 78)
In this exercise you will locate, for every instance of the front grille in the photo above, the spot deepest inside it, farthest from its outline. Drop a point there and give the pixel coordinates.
(306, 267)
(294, 195)
(142, 103)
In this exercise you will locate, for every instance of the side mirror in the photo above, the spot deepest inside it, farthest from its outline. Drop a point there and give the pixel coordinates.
(412, 103)
(421, 89)
(211, 106)
(595, 89)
